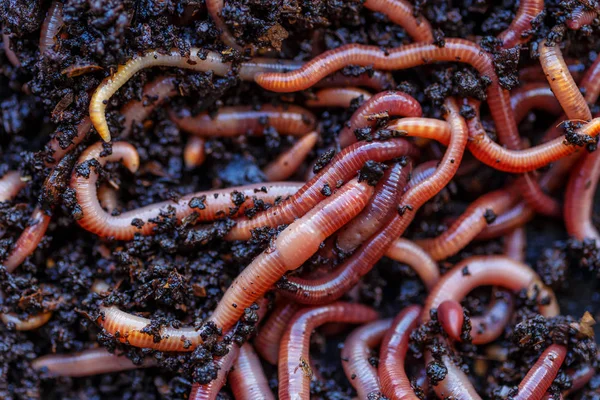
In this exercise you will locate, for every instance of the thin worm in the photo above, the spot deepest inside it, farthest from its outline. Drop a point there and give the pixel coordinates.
(54, 151)
(564, 87)
(10, 53)
(209, 205)
(267, 341)
(381, 105)
(408, 252)
(52, 23)
(290, 161)
(10, 185)
(342, 167)
(451, 317)
(542, 374)
(30, 323)
(515, 244)
(29, 240)
(535, 73)
(239, 120)
(392, 355)
(333, 285)
(379, 210)
(533, 96)
(375, 80)
(517, 216)
(194, 154)
(488, 270)
(87, 363)
(294, 380)
(520, 29)
(214, 8)
(107, 196)
(247, 378)
(402, 13)
(337, 97)
(293, 246)
(356, 353)
(580, 17)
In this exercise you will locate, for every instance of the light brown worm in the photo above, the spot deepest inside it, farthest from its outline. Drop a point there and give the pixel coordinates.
(408, 252)
(29, 240)
(286, 164)
(402, 12)
(10, 185)
(52, 23)
(194, 154)
(30, 323)
(267, 341)
(520, 28)
(542, 374)
(337, 97)
(247, 378)
(531, 96)
(55, 152)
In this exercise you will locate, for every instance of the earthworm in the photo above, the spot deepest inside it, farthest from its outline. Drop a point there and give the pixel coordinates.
(375, 80)
(107, 196)
(530, 96)
(468, 225)
(87, 363)
(519, 30)
(286, 164)
(198, 60)
(515, 244)
(356, 353)
(294, 380)
(55, 152)
(211, 205)
(28, 324)
(408, 252)
(488, 270)
(267, 341)
(517, 216)
(451, 317)
(153, 94)
(214, 8)
(535, 73)
(341, 168)
(378, 211)
(590, 83)
(293, 246)
(422, 172)
(194, 154)
(542, 374)
(381, 105)
(456, 384)
(402, 13)
(392, 355)
(10, 53)
(337, 97)
(563, 86)
(333, 285)
(52, 23)
(239, 120)
(10, 185)
(29, 239)
(247, 378)
(580, 17)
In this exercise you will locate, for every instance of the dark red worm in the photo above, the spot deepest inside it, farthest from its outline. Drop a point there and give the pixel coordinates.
(402, 13)
(267, 341)
(542, 374)
(342, 167)
(456, 384)
(590, 83)
(29, 240)
(333, 285)
(247, 378)
(520, 29)
(451, 317)
(288, 162)
(52, 23)
(381, 105)
(379, 210)
(337, 97)
(581, 16)
(356, 354)
(239, 120)
(108, 198)
(532, 96)
(392, 355)
(408, 252)
(294, 376)
(535, 73)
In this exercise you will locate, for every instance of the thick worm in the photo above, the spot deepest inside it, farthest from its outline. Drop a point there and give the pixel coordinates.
(580, 17)
(29, 240)
(456, 384)
(515, 244)
(52, 23)
(267, 341)
(542, 374)
(520, 29)
(289, 161)
(337, 97)
(408, 252)
(247, 378)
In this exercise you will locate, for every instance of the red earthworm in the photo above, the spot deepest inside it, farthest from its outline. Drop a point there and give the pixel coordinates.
(29, 239)
(107, 196)
(451, 317)
(580, 377)
(197, 60)
(542, 374)
(580, 17)
(408, 252)
(515, 243)
(267, 341)
(247, 378)
(87, 363)
(52, 23)
(153, 94)
(10, 53)
(289, 161)
(375, 80)
(488, 270)
(590, 83)
(194, 154)
(379, 210)
(456, 384)
(214, 8)
(341, 168)
(55, 152)
(356, 353)
(10, 185)
(533, 96)
(517, 216)
(293, 246)
(239, 120)
(294, 381)
(468, 225)
(392, 355)
(564, 87)
(422, 172)
(339, 281)
(535, 73)
(402, 13)
(30, 323)
(337, 97)
(381, 105)
(520, 28)
(212, 204)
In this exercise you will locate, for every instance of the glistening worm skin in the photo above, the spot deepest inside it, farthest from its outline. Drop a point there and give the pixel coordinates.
(408, 252)
(194, 154)
(516, 33)
(87, 363)
(239, 120)
(342, 167)
(293, 246)
(213, 204)
(29, 239)
(383, 104)
(402, 13)
(10, 185)
(294, 349)
(52, 23)
(563, 86)
(337, 97)
(581, 17)
(286, 164)
(379, 210)
(247, 378)
(392, 355)
(356, 353)
(515, 244)
(456, 384)
(267, 341)
(542, 374)
(533, 96)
